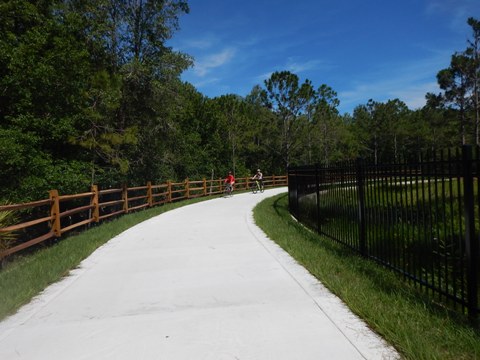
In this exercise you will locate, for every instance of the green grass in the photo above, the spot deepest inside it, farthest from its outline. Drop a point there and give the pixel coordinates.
(415, 326)
(26, 276)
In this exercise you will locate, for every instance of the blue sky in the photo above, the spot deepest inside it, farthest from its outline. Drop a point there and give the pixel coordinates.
(369, 49)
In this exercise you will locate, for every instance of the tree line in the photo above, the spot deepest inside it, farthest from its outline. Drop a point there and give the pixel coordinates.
(91, 94)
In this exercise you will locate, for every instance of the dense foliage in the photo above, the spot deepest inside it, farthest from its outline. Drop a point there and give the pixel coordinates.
(91, 93)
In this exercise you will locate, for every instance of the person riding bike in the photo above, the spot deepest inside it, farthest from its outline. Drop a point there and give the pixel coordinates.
(258, 177)
(229, 181)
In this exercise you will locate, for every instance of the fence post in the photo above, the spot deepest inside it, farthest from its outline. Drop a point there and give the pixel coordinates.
(273, 180)
(317, 189)
(149, 194)
(55, 212)
(169, 191)
(125, 199)
(297, 214)
(471, 242)
(94, 203)
(187, 188)
(361, 205)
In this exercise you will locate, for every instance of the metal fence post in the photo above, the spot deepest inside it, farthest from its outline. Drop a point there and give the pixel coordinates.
(292, 192)
(317, 190)
(297, 213)
(289, 194)
(361, 205)
(471, 242)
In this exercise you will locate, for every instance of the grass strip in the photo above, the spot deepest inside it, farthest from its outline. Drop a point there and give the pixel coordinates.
(404, 317)
(27, 276)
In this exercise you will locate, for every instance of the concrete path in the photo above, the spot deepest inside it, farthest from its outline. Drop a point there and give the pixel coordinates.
(200, 283)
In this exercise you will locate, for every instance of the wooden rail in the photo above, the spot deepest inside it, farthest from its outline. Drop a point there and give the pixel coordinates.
(51, 218)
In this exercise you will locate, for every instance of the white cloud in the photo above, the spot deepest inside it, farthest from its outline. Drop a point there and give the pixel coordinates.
(457, 10)
(205, 82)
(262, 77)
(298, 67)
(412, 94)
(199, 43)
(212, 61)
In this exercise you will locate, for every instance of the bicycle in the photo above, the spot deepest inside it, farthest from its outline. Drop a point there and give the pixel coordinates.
(228, 190)
(257, 186)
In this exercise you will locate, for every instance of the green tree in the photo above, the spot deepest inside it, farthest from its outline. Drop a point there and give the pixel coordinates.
(326, 121)
(195, 144)
(395, 118)
(88, 89)
(438, 123)
(267, 153)
(44, 67)
(289, 101)
(473, 52)
(235, 127)
(130, 37)
(457, 84)
(382, 129)
(367, 130)
(266, 138)
(460, 82)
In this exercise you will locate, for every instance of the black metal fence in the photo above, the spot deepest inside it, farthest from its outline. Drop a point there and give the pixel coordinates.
(420, 218)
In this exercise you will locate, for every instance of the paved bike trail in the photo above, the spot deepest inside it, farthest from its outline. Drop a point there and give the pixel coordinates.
(198, 282)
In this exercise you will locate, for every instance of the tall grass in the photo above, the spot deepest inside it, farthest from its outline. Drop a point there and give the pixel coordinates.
(7, 218)
(415, 326)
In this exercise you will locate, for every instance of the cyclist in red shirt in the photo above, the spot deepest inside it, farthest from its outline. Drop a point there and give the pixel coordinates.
(229, 181)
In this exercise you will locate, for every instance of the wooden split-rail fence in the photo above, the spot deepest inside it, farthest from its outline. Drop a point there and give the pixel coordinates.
(48, 219)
